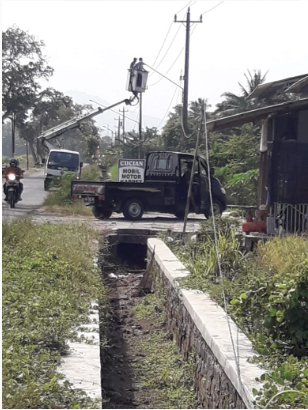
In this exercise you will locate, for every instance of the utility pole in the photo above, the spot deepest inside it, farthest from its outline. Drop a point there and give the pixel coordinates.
(186, 74)
(27, 151)
(119, 126)
(140, 125)
(123, 122)
(13, 119)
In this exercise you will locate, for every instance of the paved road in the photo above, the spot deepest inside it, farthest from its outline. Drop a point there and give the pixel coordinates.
(33, 196)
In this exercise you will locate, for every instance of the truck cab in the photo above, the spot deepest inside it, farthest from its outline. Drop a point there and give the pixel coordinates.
(60, 161)
(164, 189)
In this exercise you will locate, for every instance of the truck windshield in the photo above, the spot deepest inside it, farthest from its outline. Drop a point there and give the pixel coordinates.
(61, 160)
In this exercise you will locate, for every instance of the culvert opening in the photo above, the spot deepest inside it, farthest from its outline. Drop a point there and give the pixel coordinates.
(133, 254)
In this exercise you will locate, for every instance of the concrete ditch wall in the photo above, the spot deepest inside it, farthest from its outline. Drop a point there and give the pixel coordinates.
(199, 325)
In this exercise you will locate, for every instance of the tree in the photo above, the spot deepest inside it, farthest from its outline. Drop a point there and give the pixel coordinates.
(23, 64)
(234, 104)
(52, 108)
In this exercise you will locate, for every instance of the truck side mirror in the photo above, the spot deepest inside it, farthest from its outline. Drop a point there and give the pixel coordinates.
(81, 164)
(43, 160)
(212, 171)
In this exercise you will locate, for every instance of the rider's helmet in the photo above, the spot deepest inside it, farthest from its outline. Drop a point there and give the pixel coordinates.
(13, 162)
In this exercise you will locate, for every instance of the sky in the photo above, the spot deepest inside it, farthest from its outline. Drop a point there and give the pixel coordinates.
(90, 45)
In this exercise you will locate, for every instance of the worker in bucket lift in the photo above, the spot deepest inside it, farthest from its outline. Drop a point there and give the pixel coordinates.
(139, 67)
(131, 68)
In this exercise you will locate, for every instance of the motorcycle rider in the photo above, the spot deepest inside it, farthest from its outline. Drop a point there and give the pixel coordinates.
(13, 169)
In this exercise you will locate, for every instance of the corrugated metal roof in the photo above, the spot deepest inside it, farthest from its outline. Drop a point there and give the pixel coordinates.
(299, 86)
(267, 90)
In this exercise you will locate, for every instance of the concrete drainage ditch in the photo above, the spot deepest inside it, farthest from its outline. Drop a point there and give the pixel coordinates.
(134, 374)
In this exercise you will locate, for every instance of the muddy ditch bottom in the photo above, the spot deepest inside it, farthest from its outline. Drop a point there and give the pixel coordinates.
(120, 388)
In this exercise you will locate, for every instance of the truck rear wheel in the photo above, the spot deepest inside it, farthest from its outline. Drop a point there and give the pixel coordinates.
(101, 213)
(133, 209)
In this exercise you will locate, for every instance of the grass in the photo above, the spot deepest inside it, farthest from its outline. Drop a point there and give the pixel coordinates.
(48, 283)
(114, 172)
(267, 296)
(162, 369)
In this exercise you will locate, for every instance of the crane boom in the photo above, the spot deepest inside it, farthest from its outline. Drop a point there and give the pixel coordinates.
(73, 123)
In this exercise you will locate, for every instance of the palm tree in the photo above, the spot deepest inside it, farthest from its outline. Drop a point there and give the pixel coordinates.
(234, 104)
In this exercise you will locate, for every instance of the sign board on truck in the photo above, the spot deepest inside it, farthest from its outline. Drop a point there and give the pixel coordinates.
(131, 170)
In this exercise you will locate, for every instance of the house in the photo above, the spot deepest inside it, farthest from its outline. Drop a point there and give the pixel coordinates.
(283, 180)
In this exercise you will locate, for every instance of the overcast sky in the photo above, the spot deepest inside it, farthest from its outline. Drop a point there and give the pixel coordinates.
(90, 44)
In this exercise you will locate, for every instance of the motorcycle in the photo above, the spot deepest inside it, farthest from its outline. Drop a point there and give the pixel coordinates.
(12, 186)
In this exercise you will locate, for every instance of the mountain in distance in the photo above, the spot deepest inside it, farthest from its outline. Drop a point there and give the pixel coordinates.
(109, 118)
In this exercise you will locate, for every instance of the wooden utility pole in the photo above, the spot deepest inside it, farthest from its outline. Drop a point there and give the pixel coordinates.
(13, 119)
(140, 125)
(186, 74)
(123, 122)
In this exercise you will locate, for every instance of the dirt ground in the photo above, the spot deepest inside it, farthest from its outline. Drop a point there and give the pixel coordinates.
(119, 384)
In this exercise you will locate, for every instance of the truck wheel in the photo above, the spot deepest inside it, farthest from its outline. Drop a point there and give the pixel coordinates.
(179, 214)
(133, 209)
(217, 208)
(101, 214)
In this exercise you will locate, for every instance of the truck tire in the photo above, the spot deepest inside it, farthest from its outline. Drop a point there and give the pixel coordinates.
(133, 209)
(101, 213)
(218, 209)
(179, 214)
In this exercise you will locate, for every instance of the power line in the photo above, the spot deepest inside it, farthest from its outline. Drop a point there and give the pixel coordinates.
(163, 76)
(169, 47)
(207, 11)
(186, 6)
(212, 8)
(163, 43)
(150, 85)
(166, 39)
(176, 89)
(112, 110)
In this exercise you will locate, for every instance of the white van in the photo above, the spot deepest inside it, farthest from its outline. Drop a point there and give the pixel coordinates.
(61, 161)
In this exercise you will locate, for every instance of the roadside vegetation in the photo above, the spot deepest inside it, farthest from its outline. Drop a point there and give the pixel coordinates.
(267, 295)
(48, 282)
(59, 200)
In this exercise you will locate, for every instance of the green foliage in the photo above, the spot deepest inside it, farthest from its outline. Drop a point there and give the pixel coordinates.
(277, 299)
(60, 200)
(23, 65)
(163, 369)
(267, 296)
(47, 288)
(91, 173)
(114, 172)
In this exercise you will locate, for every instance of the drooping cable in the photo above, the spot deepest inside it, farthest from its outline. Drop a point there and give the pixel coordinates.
(218, 256)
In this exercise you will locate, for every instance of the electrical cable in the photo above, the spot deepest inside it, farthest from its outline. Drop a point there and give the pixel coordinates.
(176, 89)
(171, 41)
(163, 76)
(186, 6)
(162, 45)
(218, 255)
(212, 8)
(177, 32)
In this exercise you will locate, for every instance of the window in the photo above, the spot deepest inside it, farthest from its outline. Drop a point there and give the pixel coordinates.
(59, 160)
(163, 164)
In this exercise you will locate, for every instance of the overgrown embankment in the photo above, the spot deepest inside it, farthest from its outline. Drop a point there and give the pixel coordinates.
(48, 283)
(59, 199)
(267, 296)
